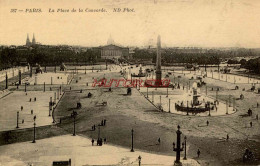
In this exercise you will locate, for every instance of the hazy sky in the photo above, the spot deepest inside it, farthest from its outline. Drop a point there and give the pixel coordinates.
(202, 23)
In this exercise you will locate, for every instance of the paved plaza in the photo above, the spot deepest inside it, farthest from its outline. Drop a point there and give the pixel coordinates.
(125, 112)
(80, 151)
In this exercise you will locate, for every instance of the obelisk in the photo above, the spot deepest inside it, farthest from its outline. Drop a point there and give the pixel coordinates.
(158, 72)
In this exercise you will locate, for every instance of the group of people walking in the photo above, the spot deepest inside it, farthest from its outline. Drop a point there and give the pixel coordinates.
(103, 123)
(100, 141)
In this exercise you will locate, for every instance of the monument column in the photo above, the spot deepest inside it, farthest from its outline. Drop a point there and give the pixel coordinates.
(158, 72)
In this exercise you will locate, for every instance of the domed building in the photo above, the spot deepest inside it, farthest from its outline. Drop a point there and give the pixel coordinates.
(112, 51)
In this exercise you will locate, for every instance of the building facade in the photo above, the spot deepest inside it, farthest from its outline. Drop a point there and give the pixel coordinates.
(113, 52)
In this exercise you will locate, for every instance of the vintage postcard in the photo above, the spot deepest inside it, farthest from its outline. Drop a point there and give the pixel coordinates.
(129, 82)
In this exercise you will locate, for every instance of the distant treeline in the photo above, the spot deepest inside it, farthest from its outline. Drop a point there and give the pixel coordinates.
(55, 55)
(44, 56)
(184, 56)
(206, 58)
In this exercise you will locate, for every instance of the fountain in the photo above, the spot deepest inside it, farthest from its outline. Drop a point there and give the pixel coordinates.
(195, 105)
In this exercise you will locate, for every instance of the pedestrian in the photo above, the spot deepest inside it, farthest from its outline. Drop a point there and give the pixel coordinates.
(92, 141)
(94, 127)
(105, 122)
(251, 124)
(207, 122)
(105, 140)
(159, 140)
(102, 123)
(100, 141)
(227, 137)
(21, 108)
(34, 118)
(198, 153)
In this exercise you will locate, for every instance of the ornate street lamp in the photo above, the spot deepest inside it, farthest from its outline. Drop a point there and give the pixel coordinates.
(73, 115)
(185, 148)
(132, 131)
(178, 148)
(17, 126)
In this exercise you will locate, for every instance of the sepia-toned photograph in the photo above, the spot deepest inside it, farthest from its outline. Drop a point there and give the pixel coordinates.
(129, 82)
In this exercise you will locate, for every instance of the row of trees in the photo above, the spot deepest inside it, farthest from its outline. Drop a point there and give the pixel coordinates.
(173, 57)
(209, 58)
(45, 56)
(56, 55)
(252, 64)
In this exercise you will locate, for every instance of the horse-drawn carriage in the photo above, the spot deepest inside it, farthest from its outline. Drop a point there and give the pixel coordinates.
(79, 105)
(129, 91)
(89, 95)
(38, 68)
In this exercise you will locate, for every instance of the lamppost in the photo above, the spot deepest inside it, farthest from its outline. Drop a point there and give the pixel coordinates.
(160, 102)
(178, 149)
(234, 104)
(34, 124)
(98, 132)
(17, 126)
(6, 81)
(209, 109)
(132, 131)
(169, 105)
(226, 106)
(50, 107)
(185, 148)
(229, 100)
(74, 114)
(139, 160)
(187, 107)
(217, 95)
(152, 97)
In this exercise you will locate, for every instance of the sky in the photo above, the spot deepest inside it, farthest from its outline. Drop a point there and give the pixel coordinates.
(180, 23)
